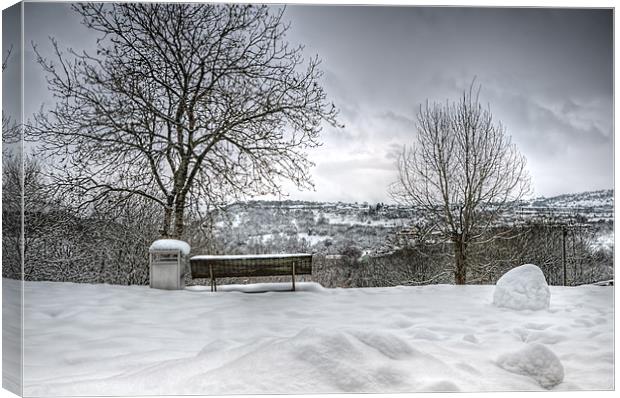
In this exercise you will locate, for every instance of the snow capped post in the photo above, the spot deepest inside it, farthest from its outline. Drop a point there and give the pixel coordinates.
(167, 264)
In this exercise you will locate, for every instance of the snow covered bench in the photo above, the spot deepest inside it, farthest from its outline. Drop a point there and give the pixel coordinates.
(213, 267)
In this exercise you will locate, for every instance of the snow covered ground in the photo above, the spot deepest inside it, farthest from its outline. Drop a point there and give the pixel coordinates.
(114, 340)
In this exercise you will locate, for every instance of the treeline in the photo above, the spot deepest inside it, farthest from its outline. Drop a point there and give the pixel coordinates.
(70, 243)
(571, 259)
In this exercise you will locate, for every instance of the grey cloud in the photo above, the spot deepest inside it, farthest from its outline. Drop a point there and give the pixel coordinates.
(407, 122)
(538, 124)
(360, 163)
(393, 151)
(547, 74)
(569, 107)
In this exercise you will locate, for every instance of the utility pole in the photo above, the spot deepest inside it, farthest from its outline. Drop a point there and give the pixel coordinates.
(574, 256)
(564, 232)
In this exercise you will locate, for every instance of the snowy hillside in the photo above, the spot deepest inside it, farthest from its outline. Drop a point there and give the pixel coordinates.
(593, 199)
(107, 340)
(263, 226)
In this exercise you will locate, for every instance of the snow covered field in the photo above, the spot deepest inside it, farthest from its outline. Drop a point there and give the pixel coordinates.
(108, 340)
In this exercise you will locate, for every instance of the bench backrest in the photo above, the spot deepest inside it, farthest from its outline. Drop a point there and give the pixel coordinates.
(246, 266)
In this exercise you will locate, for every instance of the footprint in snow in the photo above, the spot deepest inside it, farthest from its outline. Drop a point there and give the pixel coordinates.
(470, 338)
(468, 368)
(401, 323)
(537, 326)
(546, 337)
(521, 334)
(424, 334)
(583, 322)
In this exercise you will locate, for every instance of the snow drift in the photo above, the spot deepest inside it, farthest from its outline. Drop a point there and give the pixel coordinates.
(522, 288)
(86, 340)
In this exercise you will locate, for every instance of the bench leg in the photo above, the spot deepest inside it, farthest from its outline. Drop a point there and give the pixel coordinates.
(212, 278)
(293, 268)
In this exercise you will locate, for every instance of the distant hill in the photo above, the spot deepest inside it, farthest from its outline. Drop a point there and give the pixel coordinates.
(291, 225)
(592, 199)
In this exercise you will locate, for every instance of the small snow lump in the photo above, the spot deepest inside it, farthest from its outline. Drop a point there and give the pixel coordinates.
(522, 288)
(535, 361)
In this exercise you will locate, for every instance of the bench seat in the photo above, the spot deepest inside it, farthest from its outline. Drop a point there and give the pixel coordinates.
(225, 266)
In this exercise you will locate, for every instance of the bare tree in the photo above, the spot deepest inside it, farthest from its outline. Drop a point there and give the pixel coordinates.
(11, 131)
(11, 214)
(5, 59)
(463, 171)
(181, 103)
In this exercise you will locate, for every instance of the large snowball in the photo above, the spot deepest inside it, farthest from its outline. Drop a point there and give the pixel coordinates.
(522, 288)
(536, 361)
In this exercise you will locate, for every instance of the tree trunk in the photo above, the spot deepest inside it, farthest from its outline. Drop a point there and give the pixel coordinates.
(460, 263)
(179, 218)
(165, 231)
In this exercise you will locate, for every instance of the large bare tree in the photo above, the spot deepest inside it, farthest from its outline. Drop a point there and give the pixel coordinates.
(462, 171)
(181, 104)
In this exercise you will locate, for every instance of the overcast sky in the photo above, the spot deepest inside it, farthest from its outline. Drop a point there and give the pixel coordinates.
(546, 74)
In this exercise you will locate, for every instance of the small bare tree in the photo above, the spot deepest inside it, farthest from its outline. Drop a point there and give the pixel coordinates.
(5, 59)
(181, 103)
(11, 131)
(463, 172)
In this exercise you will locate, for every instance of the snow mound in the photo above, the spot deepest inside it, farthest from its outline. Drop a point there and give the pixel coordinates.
(387, 344)
(536, 361)
(522, 288)
(170, 244)
(313, 360)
